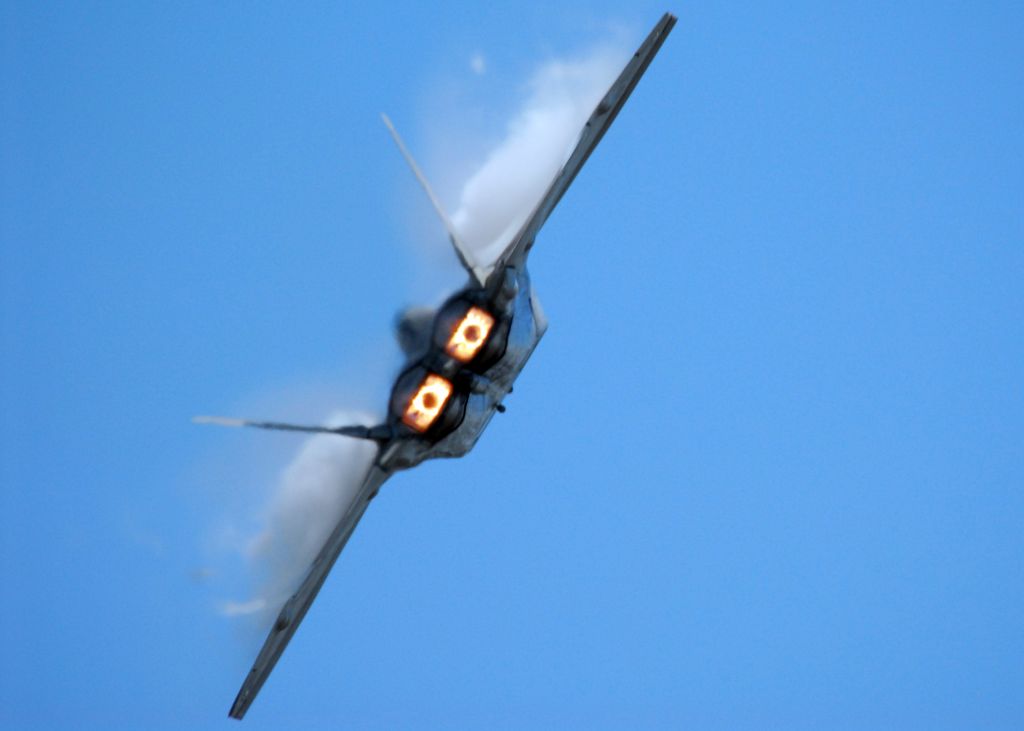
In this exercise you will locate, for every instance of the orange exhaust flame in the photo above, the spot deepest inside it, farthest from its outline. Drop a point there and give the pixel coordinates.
(470, 335)
(427, 403)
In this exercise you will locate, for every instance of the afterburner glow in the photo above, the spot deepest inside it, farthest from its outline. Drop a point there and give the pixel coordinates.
(470, 334)
(427, 403)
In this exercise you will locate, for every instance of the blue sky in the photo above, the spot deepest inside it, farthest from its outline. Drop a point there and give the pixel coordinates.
(764, 471)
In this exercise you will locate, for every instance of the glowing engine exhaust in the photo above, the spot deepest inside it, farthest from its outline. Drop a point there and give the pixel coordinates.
(470, 334)
(427, 403)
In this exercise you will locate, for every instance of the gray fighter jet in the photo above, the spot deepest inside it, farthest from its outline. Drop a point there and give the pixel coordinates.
(461, 362)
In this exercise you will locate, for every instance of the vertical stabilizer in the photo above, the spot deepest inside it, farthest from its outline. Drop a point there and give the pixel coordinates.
(477, 273)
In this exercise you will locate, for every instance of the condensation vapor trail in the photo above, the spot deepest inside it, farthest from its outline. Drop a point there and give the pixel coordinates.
(497, 198)
(316, 488)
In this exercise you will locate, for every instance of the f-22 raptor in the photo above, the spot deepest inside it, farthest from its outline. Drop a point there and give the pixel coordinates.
(461, 362)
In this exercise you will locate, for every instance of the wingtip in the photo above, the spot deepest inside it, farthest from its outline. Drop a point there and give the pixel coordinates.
(218, 420)
(242, 702)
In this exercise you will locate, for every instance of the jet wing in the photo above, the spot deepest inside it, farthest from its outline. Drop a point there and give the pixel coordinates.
(297, 606)
(599, 122)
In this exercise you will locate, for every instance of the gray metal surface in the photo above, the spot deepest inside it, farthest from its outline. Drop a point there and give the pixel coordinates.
(398, 453)
(295, 608)
(513, 302)
(462, 251)
(601, 119)
(528, 326)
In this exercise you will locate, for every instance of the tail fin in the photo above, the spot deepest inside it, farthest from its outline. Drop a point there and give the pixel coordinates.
(478, 273)
(380, 433)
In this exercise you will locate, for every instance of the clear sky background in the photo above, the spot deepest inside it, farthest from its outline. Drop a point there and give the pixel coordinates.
(766, 469)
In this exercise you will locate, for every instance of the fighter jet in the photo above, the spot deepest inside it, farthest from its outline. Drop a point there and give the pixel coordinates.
(461, 362)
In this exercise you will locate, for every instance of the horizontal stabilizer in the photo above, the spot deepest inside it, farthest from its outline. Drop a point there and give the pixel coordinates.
(379, 433)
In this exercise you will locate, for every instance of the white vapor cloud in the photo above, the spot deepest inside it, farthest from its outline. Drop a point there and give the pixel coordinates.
(478, 64)
(497, 199)
(312, 494)
(321, 481)
(239, 609)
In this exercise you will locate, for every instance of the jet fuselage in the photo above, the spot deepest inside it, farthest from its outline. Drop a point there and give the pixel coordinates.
(479, 385)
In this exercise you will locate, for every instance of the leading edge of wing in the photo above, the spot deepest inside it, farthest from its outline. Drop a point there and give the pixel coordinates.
(295, 608)
(598, 123)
